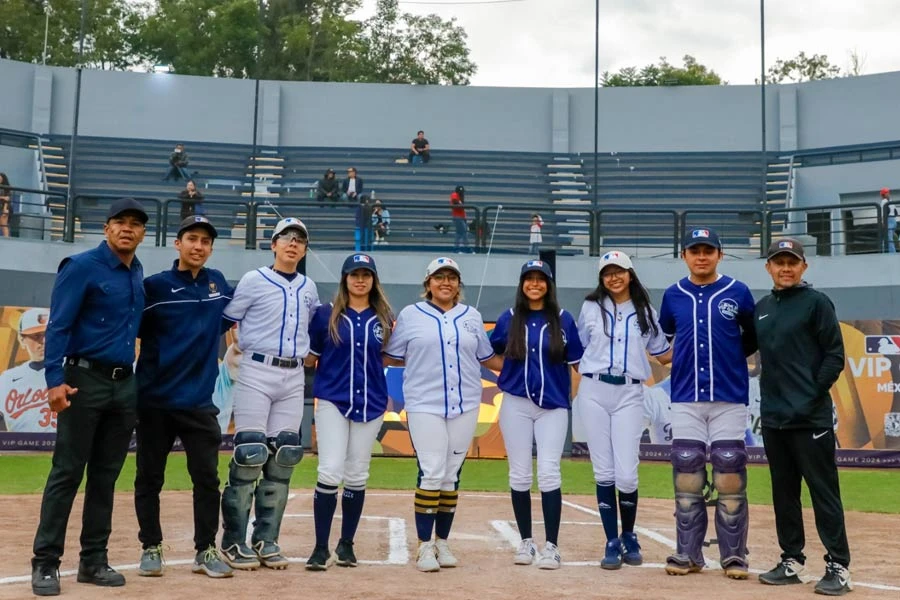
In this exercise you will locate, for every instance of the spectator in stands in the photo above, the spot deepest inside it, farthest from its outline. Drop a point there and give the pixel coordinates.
(537, 223)
(352, 186)
(328, 188)
(381, 222)
(458, 212)
(191, 201)
(362, 235)
(419, 148)
(5, 205)
(178, 163)
(892, 235)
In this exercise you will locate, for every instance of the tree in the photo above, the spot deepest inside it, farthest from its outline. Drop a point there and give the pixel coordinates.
(802, 68)
(662, 74)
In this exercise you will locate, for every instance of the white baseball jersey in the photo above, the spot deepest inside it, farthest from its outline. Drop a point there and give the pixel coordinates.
(26, 407)
(443, 352)
(623, 351)
(656, 414)
(754, 424)
(274, 313)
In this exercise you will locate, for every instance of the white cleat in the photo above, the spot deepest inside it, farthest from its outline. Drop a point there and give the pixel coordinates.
(426, 558)
(549, 558)
(526, 552)
(445, 556)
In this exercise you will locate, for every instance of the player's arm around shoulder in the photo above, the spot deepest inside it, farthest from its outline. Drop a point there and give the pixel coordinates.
(587, 318)
(747, 321)
(319, 334)
(243, 297)
(484, 351)
(394, 354)
(574, 345)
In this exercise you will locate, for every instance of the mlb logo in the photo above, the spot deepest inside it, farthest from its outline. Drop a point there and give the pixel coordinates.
(786, 244)
(444, 261)
(200, 219)
(535, 263)
(700, 233)
(293, 221)
(361, 258)
(43, 318)
(610, 255)
(883, 344)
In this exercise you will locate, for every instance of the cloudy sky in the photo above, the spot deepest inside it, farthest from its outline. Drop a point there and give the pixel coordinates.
(538, 43)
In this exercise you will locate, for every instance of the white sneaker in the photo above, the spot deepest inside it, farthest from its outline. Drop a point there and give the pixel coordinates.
(549, 558)
(445, 556)
(526, 553)
(426, 558)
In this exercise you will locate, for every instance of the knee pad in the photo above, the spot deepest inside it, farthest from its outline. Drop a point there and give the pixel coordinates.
(729, 462)
(689, 474)
(689, 466)
(287, 454)
(250, 454)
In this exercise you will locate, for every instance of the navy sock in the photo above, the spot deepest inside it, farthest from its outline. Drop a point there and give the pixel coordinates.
(628, 509)
(351, 510)
(521, 502)
(606, 502)
(324, 503)
(446, 512)
(426, 505)
(551, 504)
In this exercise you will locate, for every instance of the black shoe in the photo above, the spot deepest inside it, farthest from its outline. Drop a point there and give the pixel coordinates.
(345, 555)
(45, 580)
(102, 575)
(836, 581)
(787, 572)
(320, 559)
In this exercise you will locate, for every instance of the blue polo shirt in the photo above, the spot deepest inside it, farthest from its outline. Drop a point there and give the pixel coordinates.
(350, 374)
(548, 384)
(95, 311)
(180, 334)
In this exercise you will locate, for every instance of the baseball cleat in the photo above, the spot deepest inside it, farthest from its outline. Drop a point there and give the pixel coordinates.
(426, 558)
(269, 554)
(679, 564)
(631, 552)
(239, 556)
(735, 568)
(320, 559)
(445, 556)
(549, 558)
(345, 555)
(151, 564)
(787, 572)
(526, 553)
(613, 558)
(836, 581)
(208, 562)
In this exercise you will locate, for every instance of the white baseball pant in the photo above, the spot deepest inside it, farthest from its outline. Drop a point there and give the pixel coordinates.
(708, 422)
(268, 398)
(522, 421)
(345, 447)
(441, 446)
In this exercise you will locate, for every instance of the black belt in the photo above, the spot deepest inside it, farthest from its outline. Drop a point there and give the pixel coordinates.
(114, 372)
(284, 363)
(611, 379)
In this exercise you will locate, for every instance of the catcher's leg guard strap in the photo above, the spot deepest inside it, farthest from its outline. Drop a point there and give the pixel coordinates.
(729, 461)
(689, 475)
(250, 454)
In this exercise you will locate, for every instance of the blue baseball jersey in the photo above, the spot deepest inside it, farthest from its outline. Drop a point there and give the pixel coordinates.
(547, 384)
(350, 374)
(713, 329)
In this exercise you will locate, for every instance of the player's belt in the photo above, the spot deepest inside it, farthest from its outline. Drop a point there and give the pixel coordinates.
(611, 379)
(284, 363)
(114, 372)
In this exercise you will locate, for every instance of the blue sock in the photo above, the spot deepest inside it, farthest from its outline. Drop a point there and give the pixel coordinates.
(426, 506)
(324, 503)
(606, 502)
(521, 502)
(351, 510)
(628, 509)
(551, 504)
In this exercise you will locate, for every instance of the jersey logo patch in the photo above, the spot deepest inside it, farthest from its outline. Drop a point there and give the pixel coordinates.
(883, 344)
(213, 290)
(728, 308)
(378, 331)
(307, 299)
(471, 326)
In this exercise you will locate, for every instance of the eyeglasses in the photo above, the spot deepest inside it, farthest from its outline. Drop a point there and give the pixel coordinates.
(448, 277)
(34, 337)
(293, 237)
(613, 274)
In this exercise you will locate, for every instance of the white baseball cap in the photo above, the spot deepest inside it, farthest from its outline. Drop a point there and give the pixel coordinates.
(439, 263)
(614, 257)
(34, 320)
(290, 223)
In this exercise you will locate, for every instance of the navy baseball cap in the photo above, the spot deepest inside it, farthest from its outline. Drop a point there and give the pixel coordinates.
(358, 261)
(198, 221)
(701, 235)
(124, 205)
(536, 265)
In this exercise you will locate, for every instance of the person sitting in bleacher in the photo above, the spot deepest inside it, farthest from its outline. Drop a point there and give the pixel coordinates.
(381, 222)
(352, 187)
(419, 149)
(178, 163)
(191, 201)
(5, 205)
(328, 187)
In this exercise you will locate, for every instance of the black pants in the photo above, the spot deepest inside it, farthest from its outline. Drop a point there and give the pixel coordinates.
(200, 434)
(808, 454)
(93, 432)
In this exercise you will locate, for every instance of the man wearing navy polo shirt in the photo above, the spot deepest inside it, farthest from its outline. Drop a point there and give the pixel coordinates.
(95, 312)
(176, 375)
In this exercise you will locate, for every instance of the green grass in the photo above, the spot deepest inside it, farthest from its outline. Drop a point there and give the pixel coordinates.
(861, 489)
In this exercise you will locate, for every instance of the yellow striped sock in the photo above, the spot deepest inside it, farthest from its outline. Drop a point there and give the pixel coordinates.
(448, 501)
(427, 501)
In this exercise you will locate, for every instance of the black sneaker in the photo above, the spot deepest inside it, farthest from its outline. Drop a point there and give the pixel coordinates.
(320, 559)
(345, 555)
(102, 575)
(787, 572)
(45, 580)
(836, 581)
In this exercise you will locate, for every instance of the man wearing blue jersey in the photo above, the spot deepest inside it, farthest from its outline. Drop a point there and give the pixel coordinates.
(176, 373)
(710, 316)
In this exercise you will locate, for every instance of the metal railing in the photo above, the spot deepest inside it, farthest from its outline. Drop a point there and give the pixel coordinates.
(33, 212)
(857, 228)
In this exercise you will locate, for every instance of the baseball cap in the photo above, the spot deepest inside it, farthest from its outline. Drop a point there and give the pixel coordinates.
(536, 265)
(123, 205)
(34, 320)
(701, 235)
(200, 221)
(358, 261)
(290, 223)
(614, 257)
(442, 263)
(885, 191)
(788, 246)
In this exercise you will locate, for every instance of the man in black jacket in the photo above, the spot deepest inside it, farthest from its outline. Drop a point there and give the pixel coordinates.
(802, 355)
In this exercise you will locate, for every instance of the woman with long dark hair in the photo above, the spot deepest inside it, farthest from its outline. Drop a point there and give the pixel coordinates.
(618, 327)
(539, 342)
(346, 340)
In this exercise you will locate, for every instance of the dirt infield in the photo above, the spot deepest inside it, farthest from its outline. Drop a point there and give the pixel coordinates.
(482, 538)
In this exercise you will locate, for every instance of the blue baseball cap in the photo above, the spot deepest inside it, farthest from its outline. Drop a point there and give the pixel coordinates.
(127, 205)
(701, 235)
(197, 222)
(536, 265)
(358, 261)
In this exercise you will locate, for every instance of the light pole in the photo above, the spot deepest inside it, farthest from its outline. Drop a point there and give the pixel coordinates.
(595, 190)
(47, 11)
(762, 115)
(69, 224)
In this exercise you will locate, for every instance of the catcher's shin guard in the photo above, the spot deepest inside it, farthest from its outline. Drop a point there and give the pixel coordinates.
(729, 462)
(689, 475)
(250, 454)
(272, 490)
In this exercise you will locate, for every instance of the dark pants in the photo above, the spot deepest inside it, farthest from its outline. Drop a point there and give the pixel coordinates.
(176, 172)
(461, 234)
(200, 434)
(93, 432)
(807, 454)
